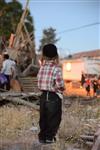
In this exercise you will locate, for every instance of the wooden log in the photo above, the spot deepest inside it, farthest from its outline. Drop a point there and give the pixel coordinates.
(31, 70)
(19, 27)
(96, 145)
(4, 95)
(89, 143)
(87, 137)
(18, 100)
(97, 133)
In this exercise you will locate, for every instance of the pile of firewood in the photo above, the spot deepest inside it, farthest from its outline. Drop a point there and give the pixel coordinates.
(92, 140)
(28, 99)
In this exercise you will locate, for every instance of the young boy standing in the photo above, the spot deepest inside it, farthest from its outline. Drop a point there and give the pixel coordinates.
(51, 83)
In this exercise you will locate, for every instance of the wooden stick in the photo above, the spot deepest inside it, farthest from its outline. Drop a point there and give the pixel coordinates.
(18, 100)
(87, 137)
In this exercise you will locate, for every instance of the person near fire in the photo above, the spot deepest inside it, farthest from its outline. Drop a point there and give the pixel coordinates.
(51, 83)
(88, 86)
(95, 86)
(82, 79)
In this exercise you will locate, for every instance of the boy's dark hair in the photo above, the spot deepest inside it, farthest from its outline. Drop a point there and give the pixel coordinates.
(50, 51)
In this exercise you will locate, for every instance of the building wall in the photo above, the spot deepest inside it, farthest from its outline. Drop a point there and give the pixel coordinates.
(75, 72)
(75, 68)
(92, 66)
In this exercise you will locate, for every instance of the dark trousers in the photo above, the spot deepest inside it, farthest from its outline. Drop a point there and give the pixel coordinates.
(6, 86)
(50, 115)
(8, 83)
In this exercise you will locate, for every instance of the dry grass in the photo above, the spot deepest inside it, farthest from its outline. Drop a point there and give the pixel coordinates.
(76, 120)
(79, 120)
(14, 121)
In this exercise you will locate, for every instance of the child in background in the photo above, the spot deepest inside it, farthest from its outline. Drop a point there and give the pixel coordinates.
(51, 83)
(95, 86)
(87, 86)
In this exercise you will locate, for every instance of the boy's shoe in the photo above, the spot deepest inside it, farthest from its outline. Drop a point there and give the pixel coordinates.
(49, 141)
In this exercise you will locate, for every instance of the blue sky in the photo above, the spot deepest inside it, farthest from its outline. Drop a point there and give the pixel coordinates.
(65, 15)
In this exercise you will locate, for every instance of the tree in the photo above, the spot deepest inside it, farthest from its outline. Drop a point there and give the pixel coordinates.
(10, 14)
(49, 36)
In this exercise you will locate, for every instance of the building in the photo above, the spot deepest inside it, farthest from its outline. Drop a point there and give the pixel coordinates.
(87, 62)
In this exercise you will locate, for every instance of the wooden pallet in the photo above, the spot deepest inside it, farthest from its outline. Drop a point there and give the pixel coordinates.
(29, 84)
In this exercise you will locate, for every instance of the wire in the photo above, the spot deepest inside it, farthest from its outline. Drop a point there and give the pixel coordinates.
(74, 29)
(78, 28)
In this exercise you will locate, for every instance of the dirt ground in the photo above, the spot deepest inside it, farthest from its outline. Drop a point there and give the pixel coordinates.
(16, 122)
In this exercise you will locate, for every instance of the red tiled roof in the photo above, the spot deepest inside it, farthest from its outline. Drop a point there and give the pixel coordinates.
(93, 53)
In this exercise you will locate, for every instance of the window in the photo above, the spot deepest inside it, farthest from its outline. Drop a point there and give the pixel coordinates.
(68, 66)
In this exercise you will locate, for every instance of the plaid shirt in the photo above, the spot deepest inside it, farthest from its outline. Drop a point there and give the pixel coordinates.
(50, 78)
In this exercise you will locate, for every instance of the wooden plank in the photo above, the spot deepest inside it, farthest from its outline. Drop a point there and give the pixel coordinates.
(29, 84)
(87, 137)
